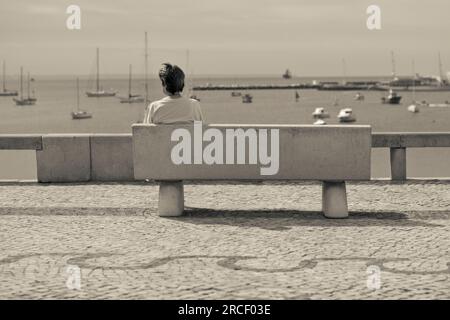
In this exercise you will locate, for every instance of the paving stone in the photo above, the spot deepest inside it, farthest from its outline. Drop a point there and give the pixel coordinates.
(245, 241)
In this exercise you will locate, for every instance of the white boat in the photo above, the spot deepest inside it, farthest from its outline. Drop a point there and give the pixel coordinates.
(320, 113)
(346, 115)
(80, 114)
(359, 97)
(439, 105)
(29, 100)
(320, 122)
(99, 92)
(413, 108)
(131, 98)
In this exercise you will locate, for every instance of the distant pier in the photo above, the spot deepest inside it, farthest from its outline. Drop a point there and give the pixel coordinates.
(210, 87)
(332, 86)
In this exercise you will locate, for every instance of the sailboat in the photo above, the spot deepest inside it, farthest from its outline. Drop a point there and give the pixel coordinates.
(190, 87)
(80, 114)
(413, 106)
(5, 92)
(287, 74)
(24, 101)
(392, 98)
(147, 100)
(131, 98)
(99, 92)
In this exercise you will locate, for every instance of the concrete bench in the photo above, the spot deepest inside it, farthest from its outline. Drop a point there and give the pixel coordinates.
(331, 154)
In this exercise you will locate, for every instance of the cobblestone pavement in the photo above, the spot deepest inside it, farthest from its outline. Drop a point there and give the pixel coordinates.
(246, 241)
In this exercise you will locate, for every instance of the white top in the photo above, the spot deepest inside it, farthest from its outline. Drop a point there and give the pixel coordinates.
(171, 110)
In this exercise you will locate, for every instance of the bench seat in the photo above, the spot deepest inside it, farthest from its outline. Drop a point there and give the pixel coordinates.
(332, 154)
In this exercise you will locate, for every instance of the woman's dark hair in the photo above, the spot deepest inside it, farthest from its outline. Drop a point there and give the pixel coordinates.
(172, 77)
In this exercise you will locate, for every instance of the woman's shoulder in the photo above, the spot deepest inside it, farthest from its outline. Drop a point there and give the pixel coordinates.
(194, 102)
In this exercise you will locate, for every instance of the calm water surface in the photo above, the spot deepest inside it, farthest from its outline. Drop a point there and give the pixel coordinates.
(57, 98)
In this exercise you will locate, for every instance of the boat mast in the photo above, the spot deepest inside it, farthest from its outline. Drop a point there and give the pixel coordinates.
(98, 71)
(393, 64)
(441, 75)
(146, 68)
(21, 83)
(78, 94)
(28, 85)
(4, 77)
(344, 70)
(187, 71)
(129, 82)
(414, 80)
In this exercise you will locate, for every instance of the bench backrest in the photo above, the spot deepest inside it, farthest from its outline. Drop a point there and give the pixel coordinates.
(305, 152)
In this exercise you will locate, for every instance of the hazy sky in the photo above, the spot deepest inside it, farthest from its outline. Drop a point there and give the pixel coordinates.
(226, 36)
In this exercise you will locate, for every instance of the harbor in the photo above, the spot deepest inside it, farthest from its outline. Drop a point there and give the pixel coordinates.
(57, 98)
(211, 152)
(422, 84)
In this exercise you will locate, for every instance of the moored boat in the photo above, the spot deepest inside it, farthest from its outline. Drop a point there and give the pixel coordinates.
(413, 108)
(29, 100)
(247, 98)
(392, 98)
(320, 113)
(346, 115)
(5, 92)
(320, 122)
(99, 92)
(439, 105)
(80, 114)
(359, 97)
(131, 98)
(287, 74)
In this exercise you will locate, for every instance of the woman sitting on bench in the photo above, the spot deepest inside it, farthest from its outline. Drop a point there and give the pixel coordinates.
(174, 108)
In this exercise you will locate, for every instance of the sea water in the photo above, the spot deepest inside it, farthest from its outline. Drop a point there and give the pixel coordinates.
(57, 98)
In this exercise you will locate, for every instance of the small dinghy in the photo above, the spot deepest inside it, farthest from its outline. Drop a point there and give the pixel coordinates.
(320, 122)
(359, 97)
(247, 98)
(346, 115)
(320, 113)
(413, 108)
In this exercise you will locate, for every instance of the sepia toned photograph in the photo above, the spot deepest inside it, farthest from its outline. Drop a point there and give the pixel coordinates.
(249, 152)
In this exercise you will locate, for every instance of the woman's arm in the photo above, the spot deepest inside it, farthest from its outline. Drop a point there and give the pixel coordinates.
(148, 114)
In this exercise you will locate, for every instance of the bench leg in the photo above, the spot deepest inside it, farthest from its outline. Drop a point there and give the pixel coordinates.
(398, 164)
(334, 199)
(171, 199)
